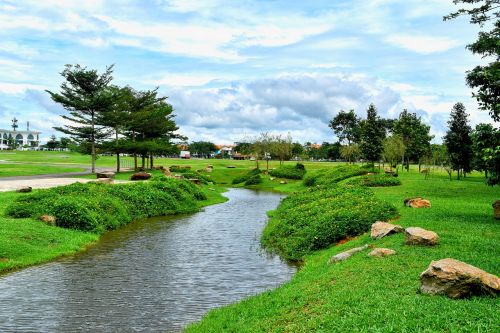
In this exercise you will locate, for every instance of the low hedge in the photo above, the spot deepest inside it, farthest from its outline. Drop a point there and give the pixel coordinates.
(289, 171)
(254, 180)
(179, 168)
(319, 217)
(375, 180)
(245, 177)
(98, 207)
(334, 175)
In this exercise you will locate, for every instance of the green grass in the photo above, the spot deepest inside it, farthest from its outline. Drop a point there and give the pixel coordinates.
(366, 294)
(10, 170)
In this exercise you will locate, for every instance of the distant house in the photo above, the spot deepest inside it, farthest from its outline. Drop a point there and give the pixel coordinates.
(31, 139)
(185, 154)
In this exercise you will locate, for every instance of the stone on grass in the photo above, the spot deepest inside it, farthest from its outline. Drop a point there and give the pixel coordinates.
(417, 203)
(457, 279)
(48, 219)
(105, 174)
(24, 189)
(347, 254)
(420, 236)
(381, 252)
(496, 209)
(140, 176)
(381, 229)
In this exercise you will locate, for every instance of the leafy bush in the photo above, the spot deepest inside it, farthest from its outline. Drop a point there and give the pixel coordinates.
(319, 217)
(180, 168)
(334, 175)
(254, 180)
(375, 180)
(246, 176)
(289, 171)
(98, 207)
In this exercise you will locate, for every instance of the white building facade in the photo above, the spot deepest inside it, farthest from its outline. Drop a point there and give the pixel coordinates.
(23, 139)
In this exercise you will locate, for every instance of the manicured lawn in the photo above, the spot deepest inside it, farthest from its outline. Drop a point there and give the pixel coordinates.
(10, 170)
(366, 294)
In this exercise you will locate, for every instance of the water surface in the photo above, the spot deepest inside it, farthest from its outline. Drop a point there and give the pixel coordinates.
(153, 275)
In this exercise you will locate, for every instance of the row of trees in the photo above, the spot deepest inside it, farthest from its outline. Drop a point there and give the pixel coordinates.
(115, 119)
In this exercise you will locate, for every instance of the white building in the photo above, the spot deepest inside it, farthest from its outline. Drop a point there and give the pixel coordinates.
(22, 138)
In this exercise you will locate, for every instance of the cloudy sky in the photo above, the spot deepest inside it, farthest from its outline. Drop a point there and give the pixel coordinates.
(233, 69)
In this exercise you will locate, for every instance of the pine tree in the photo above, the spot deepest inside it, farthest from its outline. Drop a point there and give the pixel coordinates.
(458, 140)
(85, 95)
(372, 136)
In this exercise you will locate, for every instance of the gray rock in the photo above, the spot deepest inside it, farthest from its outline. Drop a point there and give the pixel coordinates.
(381, 252)
(24, 189)
(457, 279)
(419, 236)
(381, 229)
(347, 254)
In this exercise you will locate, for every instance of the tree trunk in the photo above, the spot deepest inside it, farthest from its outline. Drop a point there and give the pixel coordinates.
(135, 154)
(151, 161)
(93, 144)
(143, 158)
(117, 152)
(458, 174)
(267, 165)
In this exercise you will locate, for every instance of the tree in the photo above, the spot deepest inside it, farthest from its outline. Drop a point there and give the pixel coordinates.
(345, 125)
(372, 135)
(394, 150)
(52, 143)
(415, 136)
(261, 147)
(485, 144)
(330, 151)
(281, 147)
(64, 142)
(458, 140)
(85, 94)
(486, 79)
(350, 153)
(202, 148)
(297, 149)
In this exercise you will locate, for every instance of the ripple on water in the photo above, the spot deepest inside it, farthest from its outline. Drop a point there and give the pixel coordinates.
(153, 275)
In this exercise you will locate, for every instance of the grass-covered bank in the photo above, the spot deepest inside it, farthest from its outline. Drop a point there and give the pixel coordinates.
(380, 294)
(83, 211)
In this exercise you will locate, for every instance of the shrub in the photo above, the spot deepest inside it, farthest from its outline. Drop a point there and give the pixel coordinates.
(375, 180)
(254, 180)
(180, 168)
(334, 175)
(246, 176)
(319, 217)
(98, 207)
(197, 175)
(289, 171)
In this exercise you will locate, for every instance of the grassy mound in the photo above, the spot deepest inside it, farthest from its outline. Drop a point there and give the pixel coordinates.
(375, 180)
(317, 218)
(254, 180)
(244, 178)
(334, 175)
(98, 207)
(289, 171)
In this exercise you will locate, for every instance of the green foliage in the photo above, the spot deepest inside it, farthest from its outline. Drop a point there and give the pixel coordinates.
(289, 171)
(254, 180)
(486, 150)
(180, 168)
(319, 217)
(246, 176)
(372, 135)
(98, 207)
(458, 140)
(197, 175)
(375, 180)
(334, 175)
(202, 148)
(346, 126)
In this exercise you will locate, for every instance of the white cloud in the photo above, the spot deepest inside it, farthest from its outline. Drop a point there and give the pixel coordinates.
(187, 79)
(94, 42)
(422, 44)
(17, 88)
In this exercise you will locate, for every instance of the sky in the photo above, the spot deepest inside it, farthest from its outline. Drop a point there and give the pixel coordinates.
(234, 69)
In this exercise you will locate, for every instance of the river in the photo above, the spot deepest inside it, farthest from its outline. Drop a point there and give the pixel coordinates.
(154, 275)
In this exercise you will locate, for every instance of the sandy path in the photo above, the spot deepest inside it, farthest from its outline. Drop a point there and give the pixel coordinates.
(11, 185)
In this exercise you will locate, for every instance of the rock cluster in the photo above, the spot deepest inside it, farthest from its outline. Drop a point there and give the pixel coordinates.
(457, 279)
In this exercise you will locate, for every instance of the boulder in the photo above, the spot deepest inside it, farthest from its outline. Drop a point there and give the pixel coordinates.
(419, 236)
(105, 174)
(140, 176)
(381, 229)
(417, 203)
(381, 252)
(457, 279)
(347, 254)
(24, 189)
(48, 219)
(496, 209)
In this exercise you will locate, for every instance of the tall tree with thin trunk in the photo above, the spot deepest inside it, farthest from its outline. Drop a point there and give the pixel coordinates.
(372, 136)
(85, 94)
(458, 140)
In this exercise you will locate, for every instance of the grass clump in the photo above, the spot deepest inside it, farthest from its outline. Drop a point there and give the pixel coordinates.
(254, 180)
(245, 177)
(334, 175)
(375, 180)
(289, 171)
(180, 168)
(316, 218)
(99, 207)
